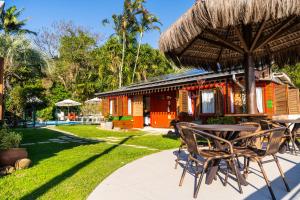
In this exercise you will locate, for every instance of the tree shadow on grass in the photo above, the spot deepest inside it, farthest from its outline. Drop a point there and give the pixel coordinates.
(58, 179)
(38, 152)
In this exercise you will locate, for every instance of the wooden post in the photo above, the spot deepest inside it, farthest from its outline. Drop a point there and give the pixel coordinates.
(1, 89)
(249, 71)
(250, 84)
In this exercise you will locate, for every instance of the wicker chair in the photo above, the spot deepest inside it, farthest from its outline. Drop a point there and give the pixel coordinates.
(273, 140)
(288, 136)
(183, 145)
(182, 141)
(190, 137)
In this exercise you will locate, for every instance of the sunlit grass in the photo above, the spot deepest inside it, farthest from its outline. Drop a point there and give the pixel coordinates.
(72, 170)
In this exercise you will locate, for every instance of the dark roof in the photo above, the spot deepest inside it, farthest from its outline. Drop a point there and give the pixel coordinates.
(188, 76)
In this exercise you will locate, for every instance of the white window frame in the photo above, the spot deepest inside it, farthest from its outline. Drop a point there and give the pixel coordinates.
(190, 107)
(260, 99)
(213, 110)
(111, 106)
(129, 106)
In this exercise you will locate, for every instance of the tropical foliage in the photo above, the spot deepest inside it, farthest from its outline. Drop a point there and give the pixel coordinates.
(69, 61)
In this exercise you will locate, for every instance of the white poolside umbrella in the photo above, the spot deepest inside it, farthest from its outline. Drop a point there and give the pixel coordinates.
(94, 100)
(67, 103)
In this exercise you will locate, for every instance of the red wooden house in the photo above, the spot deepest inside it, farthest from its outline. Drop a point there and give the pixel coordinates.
(197, 95)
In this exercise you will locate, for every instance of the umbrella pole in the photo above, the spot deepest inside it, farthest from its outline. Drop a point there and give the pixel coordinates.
(250, 85)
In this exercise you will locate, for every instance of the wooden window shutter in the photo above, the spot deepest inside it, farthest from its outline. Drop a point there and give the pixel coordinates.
(105, 106)
(219, 102)
(281, 98)
(198, 103)
(183, 101)
(293, 101)
(119, 102)
(125, 106)
(138, 109)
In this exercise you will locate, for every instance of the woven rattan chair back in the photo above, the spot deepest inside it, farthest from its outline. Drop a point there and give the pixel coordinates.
(180, 127)
(191, 140)
(274, 140)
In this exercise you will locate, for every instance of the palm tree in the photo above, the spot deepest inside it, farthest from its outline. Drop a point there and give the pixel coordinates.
(124, 27)
(148, 22)
(11, 24)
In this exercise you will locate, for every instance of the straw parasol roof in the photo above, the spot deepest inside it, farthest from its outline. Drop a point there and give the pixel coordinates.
(67, 103)
(213, 31)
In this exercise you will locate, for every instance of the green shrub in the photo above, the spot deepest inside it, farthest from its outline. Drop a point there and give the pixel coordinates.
(9, 139)
(126, 118)
(220, 120)
(45, 114)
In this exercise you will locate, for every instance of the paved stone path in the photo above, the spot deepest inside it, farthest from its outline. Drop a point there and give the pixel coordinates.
(71, 138)
(154, 178)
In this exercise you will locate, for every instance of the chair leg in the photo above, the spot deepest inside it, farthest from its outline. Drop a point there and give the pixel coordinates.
(178, 158)
(246, 171)
(293, 143)
(184, 172)
(236, 174)
(266, 178)
(200, 180)
(238, 162)
(281, 173)
(227, 174)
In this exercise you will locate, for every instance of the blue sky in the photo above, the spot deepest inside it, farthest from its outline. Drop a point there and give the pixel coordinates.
(89, 13)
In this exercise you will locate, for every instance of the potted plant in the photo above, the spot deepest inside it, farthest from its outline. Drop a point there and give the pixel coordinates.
(109, 122)
(9, 147)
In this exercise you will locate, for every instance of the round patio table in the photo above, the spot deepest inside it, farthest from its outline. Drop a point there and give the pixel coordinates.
(228, 132)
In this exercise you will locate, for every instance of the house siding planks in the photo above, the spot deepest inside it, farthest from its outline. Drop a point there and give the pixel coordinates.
(105, 106)
(281, 98)
(293, 101)
(183, 101)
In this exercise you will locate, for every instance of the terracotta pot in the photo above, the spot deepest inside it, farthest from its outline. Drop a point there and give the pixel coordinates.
(10, 156)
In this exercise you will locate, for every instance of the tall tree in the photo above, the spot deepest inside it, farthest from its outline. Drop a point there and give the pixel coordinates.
(147, 22)
(11, 24)
(125, 27)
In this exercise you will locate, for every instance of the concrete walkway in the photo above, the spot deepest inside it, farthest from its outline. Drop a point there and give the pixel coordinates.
(154, 178)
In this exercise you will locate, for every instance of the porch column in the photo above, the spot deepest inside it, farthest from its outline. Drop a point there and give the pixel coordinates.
(250, 84)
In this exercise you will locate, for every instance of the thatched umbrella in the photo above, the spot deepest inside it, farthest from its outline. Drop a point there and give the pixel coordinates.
(226, 34)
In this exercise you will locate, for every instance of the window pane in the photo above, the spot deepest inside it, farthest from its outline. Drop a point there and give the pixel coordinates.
(190, 109)
(259, 99)
(208, 101)
(111, 106)
(129, 106)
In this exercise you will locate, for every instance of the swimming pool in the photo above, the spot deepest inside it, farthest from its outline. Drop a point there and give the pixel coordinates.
(52, 123)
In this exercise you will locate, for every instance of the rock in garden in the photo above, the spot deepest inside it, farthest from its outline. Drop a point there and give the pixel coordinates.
(6, 170)
(22, 163)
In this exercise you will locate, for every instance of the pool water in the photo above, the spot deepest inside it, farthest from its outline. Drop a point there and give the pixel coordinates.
(52, 123)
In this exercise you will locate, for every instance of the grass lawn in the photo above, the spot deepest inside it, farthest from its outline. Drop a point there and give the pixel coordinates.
(136, 137)
(73, 170)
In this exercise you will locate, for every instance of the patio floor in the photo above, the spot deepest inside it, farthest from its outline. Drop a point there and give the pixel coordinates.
(154, 178)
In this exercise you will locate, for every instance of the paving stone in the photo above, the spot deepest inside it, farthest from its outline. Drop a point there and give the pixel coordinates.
(27, 144)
